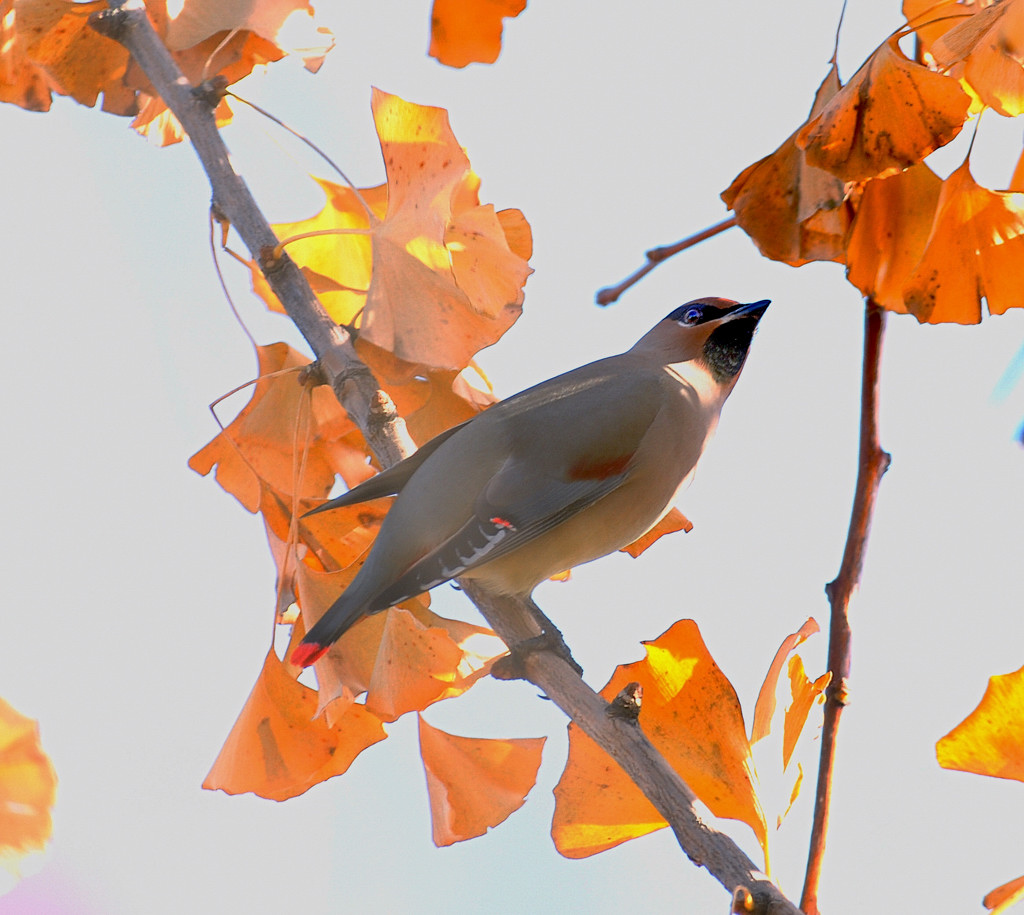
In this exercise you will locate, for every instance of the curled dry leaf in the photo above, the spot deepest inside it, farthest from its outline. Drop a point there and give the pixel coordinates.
(469, 31)
(475, 783)
(794, 212)
(889, 116)
(674, 521)
(764, 708)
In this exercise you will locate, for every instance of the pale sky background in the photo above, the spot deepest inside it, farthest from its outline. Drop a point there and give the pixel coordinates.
(139, 596)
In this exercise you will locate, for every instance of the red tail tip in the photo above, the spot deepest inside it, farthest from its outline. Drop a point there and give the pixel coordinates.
(308, 653)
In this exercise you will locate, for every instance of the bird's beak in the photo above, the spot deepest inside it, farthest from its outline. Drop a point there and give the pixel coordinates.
(755, 309)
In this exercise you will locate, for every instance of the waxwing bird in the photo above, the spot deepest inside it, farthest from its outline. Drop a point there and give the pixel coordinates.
(563, 473)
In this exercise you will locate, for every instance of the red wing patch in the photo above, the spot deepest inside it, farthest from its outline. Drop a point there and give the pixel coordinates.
(600, 470)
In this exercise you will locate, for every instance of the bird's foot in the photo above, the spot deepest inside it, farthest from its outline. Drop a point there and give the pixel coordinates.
(511, 666)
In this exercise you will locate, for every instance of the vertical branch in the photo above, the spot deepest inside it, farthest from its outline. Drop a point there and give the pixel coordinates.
(872, 464)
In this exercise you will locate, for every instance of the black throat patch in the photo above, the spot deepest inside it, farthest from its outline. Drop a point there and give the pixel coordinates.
(726, 348)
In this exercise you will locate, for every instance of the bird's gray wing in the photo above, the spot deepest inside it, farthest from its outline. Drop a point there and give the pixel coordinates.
(388, 482)
(496, 528)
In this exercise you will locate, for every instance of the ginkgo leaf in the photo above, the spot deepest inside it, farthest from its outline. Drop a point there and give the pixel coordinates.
(257, 449)
(764, 708)
(693, 717)
(931, 19)
(674, 521)
(278, 748)
(975, 249)
(987, 52)
(990, 741)
(804, 694)
(475, 783)
(289, 24)
(404, 659)
(433, 276)
(78, 61)
(22, 82)
(889, 116)
(794, 212)
(1002, 897)
(28, 787)
(469, 31)
(890, 233)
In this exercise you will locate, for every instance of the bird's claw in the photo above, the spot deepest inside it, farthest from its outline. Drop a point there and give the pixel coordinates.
(511, 666)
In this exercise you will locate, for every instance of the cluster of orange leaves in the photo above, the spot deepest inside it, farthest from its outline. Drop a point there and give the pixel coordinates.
(47, 47)
(402, 262)
(850, 185)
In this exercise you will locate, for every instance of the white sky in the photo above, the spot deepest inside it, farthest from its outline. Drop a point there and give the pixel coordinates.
(139, 596)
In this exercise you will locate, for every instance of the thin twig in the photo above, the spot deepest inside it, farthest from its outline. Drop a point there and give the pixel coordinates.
(357, 391)
(655, 256)
(872, 464)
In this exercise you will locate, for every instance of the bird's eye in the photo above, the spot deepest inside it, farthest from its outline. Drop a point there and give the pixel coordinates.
(692, 315)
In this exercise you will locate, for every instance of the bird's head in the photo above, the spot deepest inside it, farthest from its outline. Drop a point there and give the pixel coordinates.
(711, 331)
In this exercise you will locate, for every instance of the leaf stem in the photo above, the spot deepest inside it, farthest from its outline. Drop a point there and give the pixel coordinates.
(872, 464)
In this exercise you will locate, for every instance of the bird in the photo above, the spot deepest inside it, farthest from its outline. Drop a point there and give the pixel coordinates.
(565, 472)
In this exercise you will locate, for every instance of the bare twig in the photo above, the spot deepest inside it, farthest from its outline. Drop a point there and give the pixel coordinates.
(873, 463)
(655, 256)
(511, 618)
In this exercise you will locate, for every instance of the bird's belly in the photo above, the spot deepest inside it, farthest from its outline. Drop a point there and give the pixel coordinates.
(605, 527)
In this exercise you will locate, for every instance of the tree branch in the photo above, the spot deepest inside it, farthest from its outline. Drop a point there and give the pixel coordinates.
(872, 464)
(372, 412)
(655, 256)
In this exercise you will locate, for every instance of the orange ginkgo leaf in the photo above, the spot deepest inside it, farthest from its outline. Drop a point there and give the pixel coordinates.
(693, 717)
(889, 116)
(804, 694)
(22, 82)
(404, 659)
(1002, 897)
(55, 35)
(990, 741)
(438, 276)
(289, 24)
(28, 786)
(674, 521)
(987, 52)
(764, 708)
(271, 442)
(794, 212)
(890, 233)
(931, 19)
(475, 783)
(975, 249)
(469, 31)
(278, 748)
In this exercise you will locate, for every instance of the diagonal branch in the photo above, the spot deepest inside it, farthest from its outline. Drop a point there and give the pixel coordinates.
(373, 413)
(872, 464)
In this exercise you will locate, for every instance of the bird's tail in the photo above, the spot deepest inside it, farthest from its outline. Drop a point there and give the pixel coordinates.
(339, 618)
